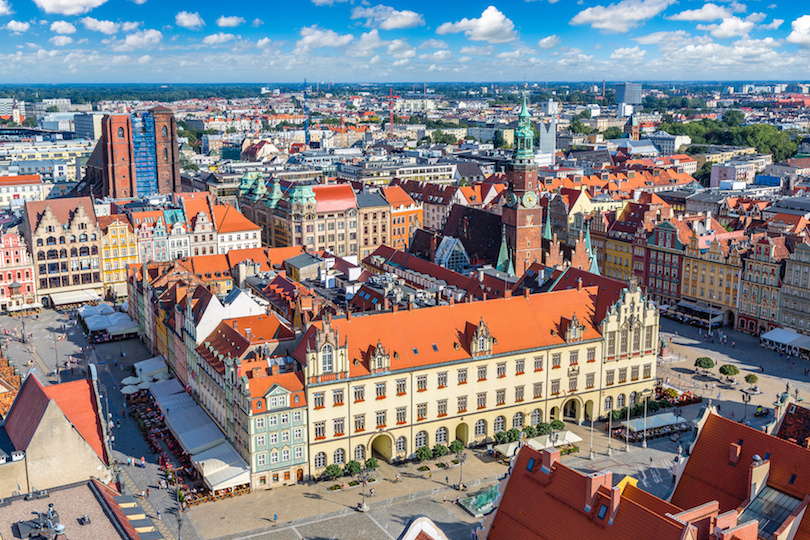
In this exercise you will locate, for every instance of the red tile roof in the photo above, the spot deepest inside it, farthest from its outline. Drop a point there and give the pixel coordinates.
(230, 220)
(25, 414)
(795, 425)
(396, 196)
(19, 180)
(266, 257)
(334, 198)
(63, 209)
(294, 382)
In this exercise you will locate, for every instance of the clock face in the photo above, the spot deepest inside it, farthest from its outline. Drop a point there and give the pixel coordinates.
(530, 199)
(511, 199)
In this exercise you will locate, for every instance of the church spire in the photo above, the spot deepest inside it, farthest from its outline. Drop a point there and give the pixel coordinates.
(504, 263)
(547, 227)
(524, 135)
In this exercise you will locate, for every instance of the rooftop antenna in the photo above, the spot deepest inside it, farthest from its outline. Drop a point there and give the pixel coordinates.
(306, 115)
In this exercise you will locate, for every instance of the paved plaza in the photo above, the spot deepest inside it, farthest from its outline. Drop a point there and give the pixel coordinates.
(309, 510)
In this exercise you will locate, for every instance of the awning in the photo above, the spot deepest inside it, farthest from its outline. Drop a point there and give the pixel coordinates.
(146, 369)
(165, 388)
(657, 421)
(35, 305)
(73, 297)
(222, 467)
(782, 336)
(194, 429)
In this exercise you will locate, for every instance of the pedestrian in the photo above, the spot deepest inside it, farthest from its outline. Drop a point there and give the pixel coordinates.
(275, 518)
(458, 499)
(447, 480)
(143, 462)
(129, 461)
(732, 415)
(143, 494)
(118, 423)
(430, 475)
(158, 515)
(444, 499)
(147, 493)
(651, 461)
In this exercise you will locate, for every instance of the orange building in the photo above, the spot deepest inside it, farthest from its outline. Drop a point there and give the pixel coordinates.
(406, 216)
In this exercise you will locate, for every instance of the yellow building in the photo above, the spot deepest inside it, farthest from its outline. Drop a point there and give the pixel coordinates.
(383, 385)
(119, 248)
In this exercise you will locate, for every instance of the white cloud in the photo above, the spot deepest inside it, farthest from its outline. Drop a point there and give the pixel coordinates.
(737, 7)
(492, 27)
(61, 41)
(18, 27)
(660, 37)
(5, 9)
(437, 56)
(129, 26)
(388, 18)
(801, 31)
(140, 40)
(62, 27)
(367, 44)
(313, 37)
(730, 27)
(399, 48)
(218, 39)
(709, 12)
(620, 17)
(433, 44)
(509, 55)
(230, 22)
(68, 7)
(256, 23)
(402, 62)
(327, 2)
(774, 24)
(145, 59)
(191, 21)
(628, 53)
(549, 42)
(105, 27)
(264, 43)
(487, 50)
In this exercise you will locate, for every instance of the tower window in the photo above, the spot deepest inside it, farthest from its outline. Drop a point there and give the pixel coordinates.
(164, 131)
(120, 133)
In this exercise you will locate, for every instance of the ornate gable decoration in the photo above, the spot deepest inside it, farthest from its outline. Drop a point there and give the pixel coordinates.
(481, 341)
(575, 330)
(379, 358)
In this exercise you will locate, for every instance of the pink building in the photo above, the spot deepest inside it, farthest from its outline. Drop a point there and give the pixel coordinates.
(16, 268)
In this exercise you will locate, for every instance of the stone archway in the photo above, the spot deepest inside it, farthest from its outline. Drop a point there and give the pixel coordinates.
(588, 411)
(382, 447)
(463, 433)
(572, 410)
(554, 414)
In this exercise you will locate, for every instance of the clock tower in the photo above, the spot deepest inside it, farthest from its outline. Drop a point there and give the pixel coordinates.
(522, 216)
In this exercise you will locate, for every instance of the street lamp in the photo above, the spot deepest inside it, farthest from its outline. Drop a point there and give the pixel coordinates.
(590, 453)
(746, 397)
(610, 432)
(461, 456)
(15, 289)
(627, 431)
(645, 394)
(56, 355)
(363, 479)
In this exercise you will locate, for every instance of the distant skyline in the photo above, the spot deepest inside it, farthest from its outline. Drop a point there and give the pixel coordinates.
(130, 41)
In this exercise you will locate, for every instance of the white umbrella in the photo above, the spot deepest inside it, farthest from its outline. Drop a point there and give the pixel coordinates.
(129, 389)
(145, 385)
(131, 380)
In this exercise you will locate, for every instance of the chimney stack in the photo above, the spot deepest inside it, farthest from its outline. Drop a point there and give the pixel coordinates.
(579, 283)
(550, 457)
(526, 292)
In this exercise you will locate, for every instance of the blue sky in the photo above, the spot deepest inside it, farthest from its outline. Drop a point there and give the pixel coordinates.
(64, 41)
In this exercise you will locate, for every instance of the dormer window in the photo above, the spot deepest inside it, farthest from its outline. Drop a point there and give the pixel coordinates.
(327, 358)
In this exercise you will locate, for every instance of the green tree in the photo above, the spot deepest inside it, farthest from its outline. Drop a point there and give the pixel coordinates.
(530, 431)
(501, 437)
(584, 113)
(543, 428)
(729, 370)
(733, 118)
(30, 122)
(497, 139)
(440, 450)
(557, 425)
(332, 471)
(704, 362)
(613, 133)
(513, 434)
(353, 468)
(579, 127)
(52, 108)
(372, 463)
(456, 446)
(704, 174)
(423, 453)
(751, 379)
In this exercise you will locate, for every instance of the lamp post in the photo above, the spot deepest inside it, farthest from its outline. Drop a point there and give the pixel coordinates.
(646, 394)
(610, 432)
(56, 355)
(363, 478)
(461, 456)
(627, 432)
(746, 397)
(15, 289)
(590, 453)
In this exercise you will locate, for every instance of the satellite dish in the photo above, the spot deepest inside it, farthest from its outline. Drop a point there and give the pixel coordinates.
(59, 528)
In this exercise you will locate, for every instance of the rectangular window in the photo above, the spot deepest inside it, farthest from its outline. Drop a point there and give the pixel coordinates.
(379, 390)
(555, 387)
(462, 404)
(380, 419)
(441, 407)
(647, 371)
(337, 397)
(636, 340)
(482, 400)
(648, 337)
(520, 366)
(518, 394)
(260, 423)
(591, 354)
(359, 393)
(556, 359)
(572, 384)
(339, 426)
(573, 358)
(360, 422)
(624, 342)
(273, 421)
(482, 373)
(299, 452)
(401, 413)
(298, 433)
(462, 376)
(589, 378)
(297, 416)
(421, 383)
(538, 363)
(538, 390)
(622, 375)
(320, 430)
(274, 438)
(634, 373)
(442, 379)
(400, 387)
(318, 400)
(261, 459)
(501, 370)
(421, 410)
(500, 397)
(260, 440)
(611, 343)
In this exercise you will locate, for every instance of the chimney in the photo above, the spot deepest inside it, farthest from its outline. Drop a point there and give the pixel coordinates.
(484, 298)
(615, 498)
(636, 195)
(593, 481)
(275, 369)
(249, 334)
(452, 300)
(410, 305)
(734, 453)
(507, 293)
(550, 457)
(526, 292)
(236, 325)
(708, 221)
(579, 283)
(680, 217)
(395, 308)
(348, 314)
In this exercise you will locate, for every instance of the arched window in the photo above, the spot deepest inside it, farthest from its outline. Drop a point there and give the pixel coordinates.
(51, 241)
(93, 237)
(441, 435)
(61, 239)
(320, 460)
(620, 401)
(63, 253)
(94, 250)
(72, 237)
(359, 452)
(481, 428)
(421, 439)
(402, 444)
(74, 252)
(517, 420)
(166, 153)
(53, 254)
(537, 416)
(633, 398)
(340, 456)
(39, 242)
(609, 403)
(164, 131)
(120, 133)
(41, 256)
(82, 237)
(481, 343)
(326, 358)
(499, 424)
(84, 251)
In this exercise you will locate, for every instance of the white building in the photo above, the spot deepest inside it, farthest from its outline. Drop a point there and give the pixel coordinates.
(668, 144)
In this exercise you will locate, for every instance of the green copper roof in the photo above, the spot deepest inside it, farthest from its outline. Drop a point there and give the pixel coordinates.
(504, 263)
(547, 228)
(524, 135)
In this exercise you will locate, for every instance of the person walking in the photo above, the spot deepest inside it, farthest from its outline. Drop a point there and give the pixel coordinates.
(447, 480)
(143, 462)
(129, 461)
(147, 493)
(158, 515)
(275, 518)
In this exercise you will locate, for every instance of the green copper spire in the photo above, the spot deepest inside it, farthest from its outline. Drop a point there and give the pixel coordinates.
(547, 228)
(504, 263)
(524, 135)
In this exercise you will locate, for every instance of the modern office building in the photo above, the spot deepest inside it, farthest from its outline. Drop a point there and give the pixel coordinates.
(629, 93)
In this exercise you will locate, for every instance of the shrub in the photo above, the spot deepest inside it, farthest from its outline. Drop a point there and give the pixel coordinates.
(353, 467)
(423, 453)
(332, 471)
(729, 370)
(530, 431)
(543, 428)
(513, 434)
(456, 446)
(558, 425)
(652, 406)
(501, 437)
(372, 463)
(439, 450)
(704, 362)
(670, 393)
(751, 378)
